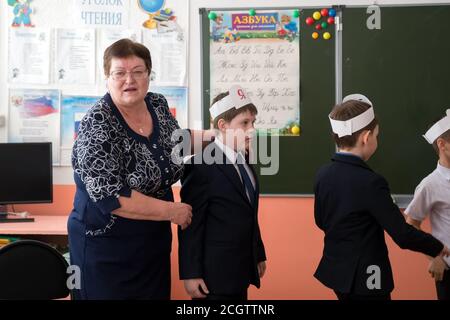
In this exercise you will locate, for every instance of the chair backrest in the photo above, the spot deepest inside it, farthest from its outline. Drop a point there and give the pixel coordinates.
(32, 269)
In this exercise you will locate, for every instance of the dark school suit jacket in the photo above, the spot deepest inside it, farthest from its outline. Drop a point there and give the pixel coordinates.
(223, 244)
(353, 206)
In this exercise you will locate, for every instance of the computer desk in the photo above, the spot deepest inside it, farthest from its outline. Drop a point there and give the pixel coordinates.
(42, 225)
(49, 229)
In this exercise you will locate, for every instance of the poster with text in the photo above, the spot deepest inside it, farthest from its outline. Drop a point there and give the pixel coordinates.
(168, 50)
(75, 56)
(34, 117)
(261, 53)
(101, 13)
(29, 55)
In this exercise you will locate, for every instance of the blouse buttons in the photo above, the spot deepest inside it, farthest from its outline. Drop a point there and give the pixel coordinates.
(154, 146)
(162, 158)
(167, 170)
(167, 182)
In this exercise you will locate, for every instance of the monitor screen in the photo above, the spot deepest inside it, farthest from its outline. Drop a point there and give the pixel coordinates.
(26, 173)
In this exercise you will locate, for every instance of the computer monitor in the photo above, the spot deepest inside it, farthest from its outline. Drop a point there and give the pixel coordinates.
(26, 173)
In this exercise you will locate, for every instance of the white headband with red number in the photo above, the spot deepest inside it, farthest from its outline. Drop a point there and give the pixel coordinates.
(438, 128)
(350, 126)
(236, 99)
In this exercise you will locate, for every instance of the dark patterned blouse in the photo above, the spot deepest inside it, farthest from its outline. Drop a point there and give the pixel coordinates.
(121, 258)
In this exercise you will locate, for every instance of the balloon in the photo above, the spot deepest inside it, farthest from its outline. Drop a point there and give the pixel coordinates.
(316, 15)
(151, 5)
(295, 130)
(326, 35)
(251, 12)
(212, 16)
(314, 35)
(332, 12)
(318, 26)
(296, 13)
(330, 20)
(324, 12)
(324, 25)
(309, 21)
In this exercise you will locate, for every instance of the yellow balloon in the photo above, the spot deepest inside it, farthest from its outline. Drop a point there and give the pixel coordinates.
(314, 35)
(317, 15)
(326, 35)
(295, 129)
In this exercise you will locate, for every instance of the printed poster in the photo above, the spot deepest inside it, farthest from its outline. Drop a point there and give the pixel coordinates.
(34, 117)
(261, 53)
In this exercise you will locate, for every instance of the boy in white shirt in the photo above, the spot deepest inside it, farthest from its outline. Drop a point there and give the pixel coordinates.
(432, 198)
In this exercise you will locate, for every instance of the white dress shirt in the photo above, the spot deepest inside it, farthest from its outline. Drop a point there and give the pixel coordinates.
(432, 197)
(232, 156)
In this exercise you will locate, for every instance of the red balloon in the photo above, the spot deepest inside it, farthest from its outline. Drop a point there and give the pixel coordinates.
(324, 12)
(318, 27)
(330, 20)
(309, 21)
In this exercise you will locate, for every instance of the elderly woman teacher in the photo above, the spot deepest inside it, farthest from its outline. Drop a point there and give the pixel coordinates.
(120, 227)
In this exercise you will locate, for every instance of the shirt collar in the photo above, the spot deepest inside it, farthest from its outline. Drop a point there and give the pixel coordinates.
(443, 171)
(229, 153)
(349, 154)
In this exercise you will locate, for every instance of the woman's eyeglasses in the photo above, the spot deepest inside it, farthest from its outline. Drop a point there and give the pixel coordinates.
(120, 75)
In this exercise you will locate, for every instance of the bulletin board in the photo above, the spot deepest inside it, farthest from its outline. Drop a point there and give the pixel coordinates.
(55, 62)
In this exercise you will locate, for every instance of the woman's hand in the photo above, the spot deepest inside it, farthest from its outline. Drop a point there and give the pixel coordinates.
(180, 214)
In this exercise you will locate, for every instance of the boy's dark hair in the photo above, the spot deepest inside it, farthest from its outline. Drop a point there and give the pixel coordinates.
(125, 48)
(445, 136)
(233, 112)
(348, 110)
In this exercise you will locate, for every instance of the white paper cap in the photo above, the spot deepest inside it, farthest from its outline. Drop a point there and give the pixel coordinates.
(438, 128)
(358, 97)
(236, 99)
(348, 127)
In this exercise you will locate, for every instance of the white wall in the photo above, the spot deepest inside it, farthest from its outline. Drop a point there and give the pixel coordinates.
(56, 13)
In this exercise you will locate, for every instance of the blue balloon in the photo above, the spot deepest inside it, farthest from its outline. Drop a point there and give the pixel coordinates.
(332, 12)
(151, 5)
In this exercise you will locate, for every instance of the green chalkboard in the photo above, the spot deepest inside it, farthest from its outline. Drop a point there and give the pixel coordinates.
(299, 157)
(404, 68)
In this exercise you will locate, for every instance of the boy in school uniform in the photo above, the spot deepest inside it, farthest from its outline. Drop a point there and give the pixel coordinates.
(432, 198)
(353, 206)
(222, 252)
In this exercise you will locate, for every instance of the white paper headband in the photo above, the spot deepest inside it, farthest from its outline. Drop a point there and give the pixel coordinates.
(438, 128)
(348, 127)
(236, 99)
(358, 97)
